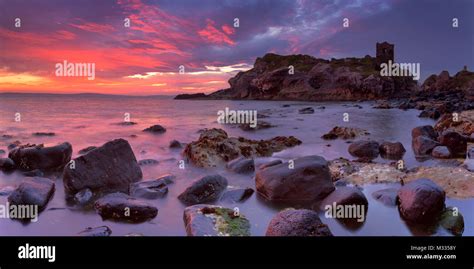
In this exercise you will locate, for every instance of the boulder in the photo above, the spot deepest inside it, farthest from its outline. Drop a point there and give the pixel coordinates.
(34, 173)
(344, 133)
(452, 220)
(241, 165)
(35, 191)
(455, 142)
(155, 129)
(392, 151)
(86, 150)
(206, 189)
(426, 130)
(175, 144)
(297, 222)
(386, 196)
(308, 180)
(423, 145)
(464, 124)
(364, 150)
(209, 220)
(119, 206)
(236, 195)
(345, 196)
(97, 231)
(111, 167)
(421, 201)
(150, 189)
(271, 163)
(215, 148)
(7, 164)
(441, 152)
(39, 157)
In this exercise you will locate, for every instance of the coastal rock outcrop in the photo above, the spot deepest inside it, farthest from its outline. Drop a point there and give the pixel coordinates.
(203, 190)
(120, 206)
(215, 148)
(36, 191)
(344, 133)
(364, 150)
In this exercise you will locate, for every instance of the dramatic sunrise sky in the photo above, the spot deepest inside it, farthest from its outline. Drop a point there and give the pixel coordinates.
(199, 34)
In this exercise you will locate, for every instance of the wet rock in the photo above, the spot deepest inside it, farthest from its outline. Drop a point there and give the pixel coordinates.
(260, 125)
(150, 189)
(97, 231)
(431, 113)
(426, 130)
(119, 206)
(364, 150)
(206, 189)
(456, 143)
(215, 148)
(148, 162)
(441, 152)
(423, 145)
(464, 124)
(35, 191)
(241, 165)
(209, 220)
(452, 220)
(309, 180)
(382, 105)
(39, 157)
(44, 134)
(271, 163)
(340, 168)
(421, 201)
(457, 182)
(174, 144)
(306, 110)
(87, 150)
(83, 197)
(7, 164)
(392, 151)
(156, 129)
(126, 123)
(13, 145)
(344, 133)
(236, 195)
(293, 222)
(386, 196)
(111, 167)
(34, 173)
(2, 152)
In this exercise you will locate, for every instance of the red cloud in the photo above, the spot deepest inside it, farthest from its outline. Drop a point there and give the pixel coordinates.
(214, 35)
(93, 27)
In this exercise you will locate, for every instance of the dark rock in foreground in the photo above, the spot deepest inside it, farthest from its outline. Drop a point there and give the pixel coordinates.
(175, 144)
(203, 190)
(97, 231)
(83, 197)
(421, 201)
(300, 222)
(156, 129)
(111, 167)
(7, 164)
(309, 180)
(241, 165)
(39, 157)
(209, 220)
(423, 145)
(150, 189)
(455, 142)
(87, 150)
(452, 220)
(392, 151)
(119, 206)
(426, 130)
(345, 196)
(364, 150)
(35, 191)
(237, 195)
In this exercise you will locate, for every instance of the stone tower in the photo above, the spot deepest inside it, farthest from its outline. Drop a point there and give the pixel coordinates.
(385, 52)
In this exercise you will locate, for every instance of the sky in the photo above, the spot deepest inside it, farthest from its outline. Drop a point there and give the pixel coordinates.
(201, 35)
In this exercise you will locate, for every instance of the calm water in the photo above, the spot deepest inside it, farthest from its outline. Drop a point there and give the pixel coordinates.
(91, 120)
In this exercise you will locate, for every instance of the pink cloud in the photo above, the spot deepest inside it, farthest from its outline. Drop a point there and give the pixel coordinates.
(214, 35)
